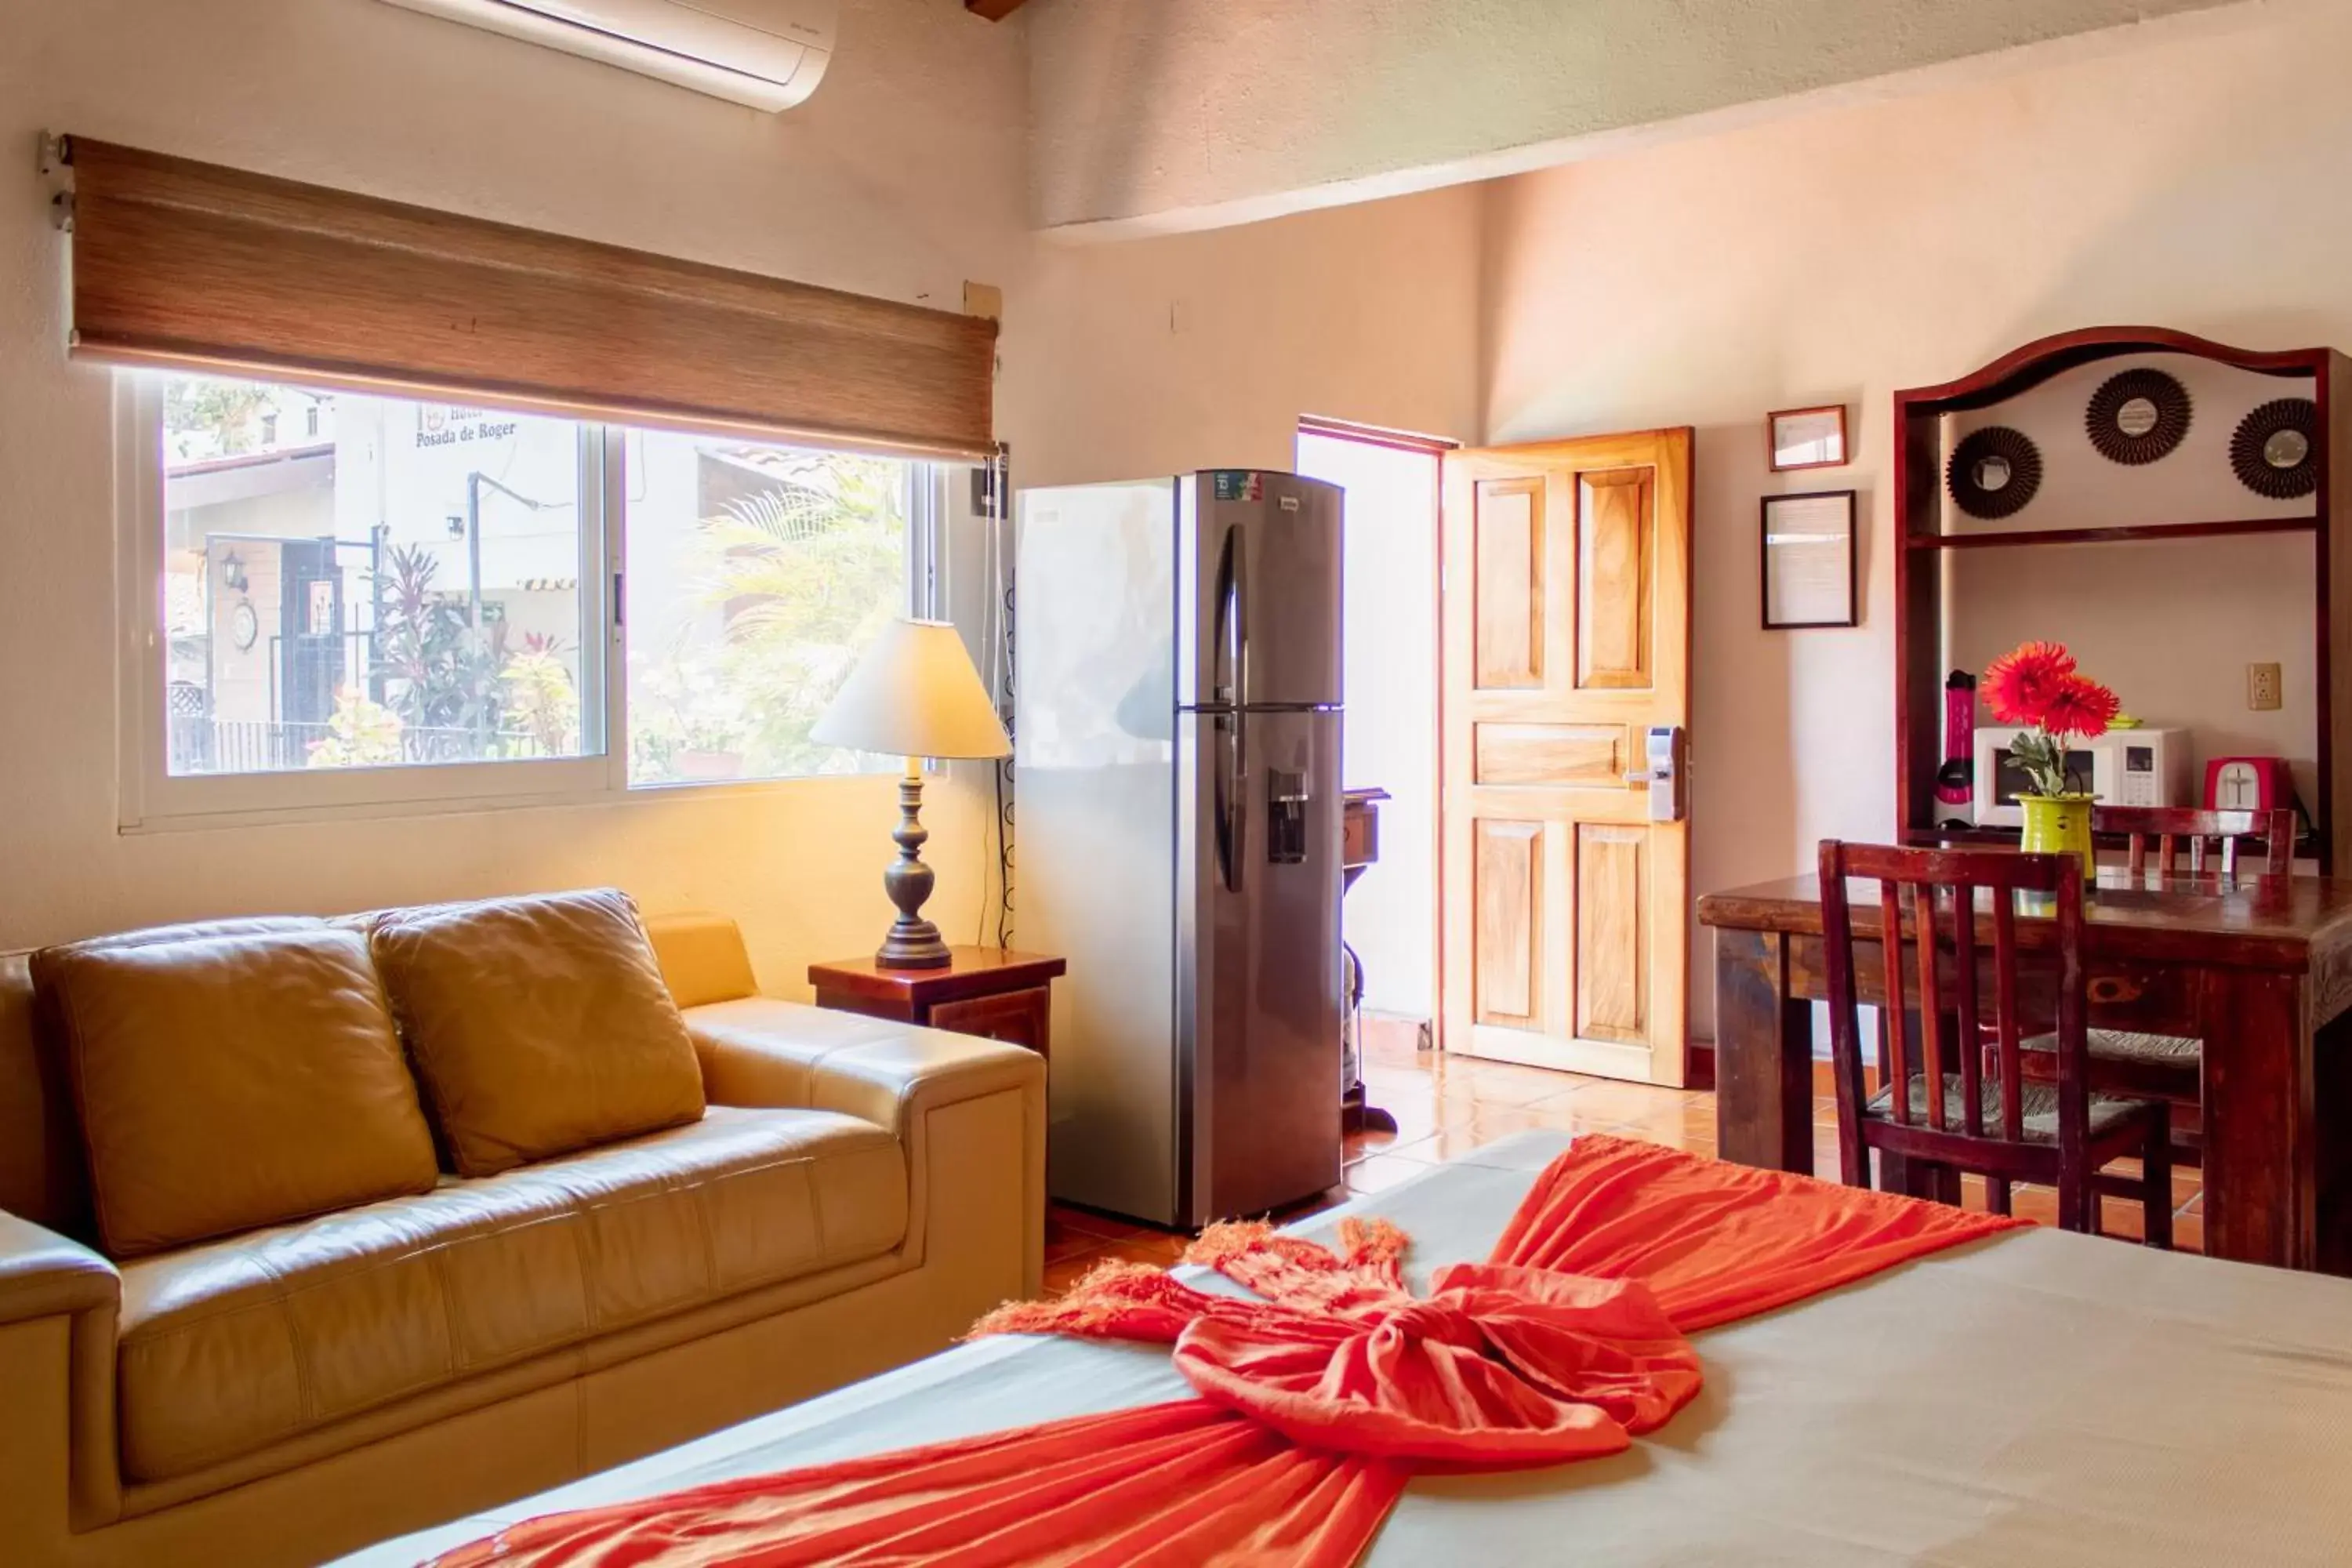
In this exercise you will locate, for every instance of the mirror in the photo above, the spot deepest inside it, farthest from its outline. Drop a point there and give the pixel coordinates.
(1992, 473)
(2137, 417)
(2286, 449)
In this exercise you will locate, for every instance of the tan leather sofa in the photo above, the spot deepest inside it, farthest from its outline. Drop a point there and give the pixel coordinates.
(855, 1194)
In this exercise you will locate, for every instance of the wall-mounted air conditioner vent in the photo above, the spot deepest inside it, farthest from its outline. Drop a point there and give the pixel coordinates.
(770, 54)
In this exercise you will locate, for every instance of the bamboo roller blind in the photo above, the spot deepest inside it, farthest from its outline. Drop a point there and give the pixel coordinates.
(196, 267)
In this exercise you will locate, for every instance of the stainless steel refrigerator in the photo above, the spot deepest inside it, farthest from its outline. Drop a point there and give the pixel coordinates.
(1176, 734)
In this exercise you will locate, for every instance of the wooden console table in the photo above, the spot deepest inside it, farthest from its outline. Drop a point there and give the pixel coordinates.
(2260, 970)
(990, 992)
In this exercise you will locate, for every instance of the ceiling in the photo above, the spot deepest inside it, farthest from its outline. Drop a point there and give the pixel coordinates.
(1151, 115)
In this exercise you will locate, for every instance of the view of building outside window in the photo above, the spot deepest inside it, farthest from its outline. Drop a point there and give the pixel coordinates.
(365, 582)
(756, 575)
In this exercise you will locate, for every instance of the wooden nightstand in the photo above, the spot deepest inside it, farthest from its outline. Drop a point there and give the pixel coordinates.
(984, 991)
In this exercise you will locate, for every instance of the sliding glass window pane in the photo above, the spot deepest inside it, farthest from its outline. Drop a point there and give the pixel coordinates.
(365, 582)
(756, 575)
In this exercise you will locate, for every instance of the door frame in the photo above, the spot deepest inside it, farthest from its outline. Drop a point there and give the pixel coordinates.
(1435, 447)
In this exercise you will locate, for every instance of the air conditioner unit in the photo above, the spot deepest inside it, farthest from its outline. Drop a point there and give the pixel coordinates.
(770, 54)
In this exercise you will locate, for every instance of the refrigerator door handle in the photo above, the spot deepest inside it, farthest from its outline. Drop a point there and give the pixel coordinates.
(1237, 546)
(1231, 800)
(1224, 685)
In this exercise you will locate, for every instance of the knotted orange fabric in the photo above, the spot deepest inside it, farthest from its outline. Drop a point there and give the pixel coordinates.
(1319, 1401)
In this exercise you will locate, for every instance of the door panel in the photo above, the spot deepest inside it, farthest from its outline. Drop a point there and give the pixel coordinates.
(1509, 933)
(310, 614)
(1590, 756)
(1610, 878)
(1507, 520)
(1614, 527)
(1565, 910)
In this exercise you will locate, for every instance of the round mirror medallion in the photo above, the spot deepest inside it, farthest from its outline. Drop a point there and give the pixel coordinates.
(2273, 452)
(1993, 472)
(2286, 449)
(2138, 416)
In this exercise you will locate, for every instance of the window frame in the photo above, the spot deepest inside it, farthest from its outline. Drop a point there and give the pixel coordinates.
(151, 799)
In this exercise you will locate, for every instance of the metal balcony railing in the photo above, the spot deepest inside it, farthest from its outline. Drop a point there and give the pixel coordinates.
(201, 744)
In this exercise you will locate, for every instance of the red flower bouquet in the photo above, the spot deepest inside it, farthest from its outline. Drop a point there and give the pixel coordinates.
(2037, 685)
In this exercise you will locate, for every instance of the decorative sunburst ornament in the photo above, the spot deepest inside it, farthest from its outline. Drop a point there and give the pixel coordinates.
(1994, 472)
(2274, 451)
(2138, 416)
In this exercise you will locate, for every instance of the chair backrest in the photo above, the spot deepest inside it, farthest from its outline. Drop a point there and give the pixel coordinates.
(2168, 825)
(1939, 887)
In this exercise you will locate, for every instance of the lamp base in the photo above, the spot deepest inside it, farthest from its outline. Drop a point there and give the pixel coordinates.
(913, 942)
(918, 946)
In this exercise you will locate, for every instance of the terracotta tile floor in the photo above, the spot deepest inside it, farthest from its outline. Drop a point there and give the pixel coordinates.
(1445, 1105)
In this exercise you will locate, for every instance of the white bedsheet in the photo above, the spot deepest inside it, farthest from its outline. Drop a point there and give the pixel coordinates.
(2034, 1398)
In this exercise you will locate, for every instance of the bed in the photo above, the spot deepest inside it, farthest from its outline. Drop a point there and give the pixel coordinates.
(2036, 1398)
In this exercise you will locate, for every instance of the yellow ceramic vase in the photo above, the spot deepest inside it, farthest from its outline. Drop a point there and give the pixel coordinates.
(2057, 824)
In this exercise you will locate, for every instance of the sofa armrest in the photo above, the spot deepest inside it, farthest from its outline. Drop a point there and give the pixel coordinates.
(44, 1275)
(971, 1114)
(762, 1050)
(59, 1302)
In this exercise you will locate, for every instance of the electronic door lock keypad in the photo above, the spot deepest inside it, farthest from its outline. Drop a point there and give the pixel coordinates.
(1665, 766)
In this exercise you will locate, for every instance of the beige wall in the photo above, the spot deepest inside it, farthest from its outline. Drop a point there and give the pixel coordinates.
(901, 178)
(1199, 351)
(1844, 255)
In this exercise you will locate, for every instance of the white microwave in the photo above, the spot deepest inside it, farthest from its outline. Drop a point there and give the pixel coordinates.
(2122, 767)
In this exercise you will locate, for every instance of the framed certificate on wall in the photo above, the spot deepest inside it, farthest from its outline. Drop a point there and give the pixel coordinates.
(1808, 437)
(1810, 571)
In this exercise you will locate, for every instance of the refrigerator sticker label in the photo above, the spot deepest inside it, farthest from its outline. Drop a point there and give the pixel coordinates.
(1237, 484)
(1290, 503)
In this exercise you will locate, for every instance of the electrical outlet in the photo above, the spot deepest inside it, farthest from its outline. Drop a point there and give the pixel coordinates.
(2263, 687)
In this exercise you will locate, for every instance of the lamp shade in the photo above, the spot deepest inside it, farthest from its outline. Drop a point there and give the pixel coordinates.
(914, 693)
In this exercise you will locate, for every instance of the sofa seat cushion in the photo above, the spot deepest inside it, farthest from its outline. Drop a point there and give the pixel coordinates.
(244, 1342)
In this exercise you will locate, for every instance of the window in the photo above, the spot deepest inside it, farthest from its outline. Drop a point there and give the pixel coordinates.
(413, 600)
(756, 575)
(404, 590)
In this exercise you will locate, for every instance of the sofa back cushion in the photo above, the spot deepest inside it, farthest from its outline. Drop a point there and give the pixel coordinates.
(538, 1026)
(225, 1081)
(702, 959)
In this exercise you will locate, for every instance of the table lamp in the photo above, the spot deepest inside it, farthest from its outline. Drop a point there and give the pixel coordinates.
(915, 693)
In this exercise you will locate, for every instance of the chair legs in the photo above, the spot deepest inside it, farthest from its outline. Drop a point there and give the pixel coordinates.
(2078, 1204)
(2151, 1189)
(2156, 1186)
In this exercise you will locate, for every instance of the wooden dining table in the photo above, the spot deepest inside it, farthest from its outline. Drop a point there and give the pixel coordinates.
(2257, 967)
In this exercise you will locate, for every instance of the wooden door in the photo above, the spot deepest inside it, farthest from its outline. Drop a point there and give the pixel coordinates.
(1567, 612)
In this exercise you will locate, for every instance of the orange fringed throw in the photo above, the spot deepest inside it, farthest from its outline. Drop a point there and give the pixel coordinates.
(1317, 1403)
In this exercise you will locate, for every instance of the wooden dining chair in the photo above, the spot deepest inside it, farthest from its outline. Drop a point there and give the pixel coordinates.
(1982, 1115)
(2170, 1067)
(2171, 825)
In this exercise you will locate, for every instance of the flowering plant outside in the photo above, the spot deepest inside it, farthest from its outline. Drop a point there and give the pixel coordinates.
(2037, 685)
